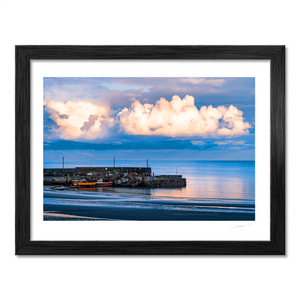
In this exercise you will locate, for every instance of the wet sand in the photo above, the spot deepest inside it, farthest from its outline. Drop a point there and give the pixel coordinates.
(52, 216)
(92, 213)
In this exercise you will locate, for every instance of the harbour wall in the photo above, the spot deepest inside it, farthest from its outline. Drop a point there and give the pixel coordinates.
(120, 176)
(166, 181)
(96, 171)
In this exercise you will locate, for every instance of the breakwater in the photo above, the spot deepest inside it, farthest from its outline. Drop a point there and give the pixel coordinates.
(120, 176)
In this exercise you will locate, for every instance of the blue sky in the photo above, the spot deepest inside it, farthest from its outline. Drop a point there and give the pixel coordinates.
(155, 118)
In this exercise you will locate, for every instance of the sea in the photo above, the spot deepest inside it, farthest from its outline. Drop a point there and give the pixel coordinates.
(215, 190)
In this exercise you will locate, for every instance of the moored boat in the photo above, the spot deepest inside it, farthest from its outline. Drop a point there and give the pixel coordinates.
(60, 187)
(86, 184)
(82, 184)
(101, 183)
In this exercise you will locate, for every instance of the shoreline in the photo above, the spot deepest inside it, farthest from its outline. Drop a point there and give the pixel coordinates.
(68, 212)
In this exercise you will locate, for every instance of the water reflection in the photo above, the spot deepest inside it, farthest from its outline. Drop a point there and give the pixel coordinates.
(212, 187)
(197, 187)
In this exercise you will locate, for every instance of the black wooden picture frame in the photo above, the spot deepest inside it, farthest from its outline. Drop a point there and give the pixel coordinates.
(23, 243)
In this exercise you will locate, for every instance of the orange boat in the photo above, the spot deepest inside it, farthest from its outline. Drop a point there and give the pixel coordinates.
(85, 184)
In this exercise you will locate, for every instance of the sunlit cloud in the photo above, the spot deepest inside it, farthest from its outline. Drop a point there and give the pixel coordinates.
(180, 117)
(85, 120)
(78, 119)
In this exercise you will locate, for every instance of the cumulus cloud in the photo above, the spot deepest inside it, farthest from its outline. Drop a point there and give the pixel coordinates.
(84, 120)
(78, 119)
(180, 117)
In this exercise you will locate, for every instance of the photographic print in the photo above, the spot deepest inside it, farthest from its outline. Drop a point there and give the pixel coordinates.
(150, 133)
(149, 149)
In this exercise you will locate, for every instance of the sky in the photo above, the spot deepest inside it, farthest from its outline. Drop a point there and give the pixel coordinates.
(149, 118)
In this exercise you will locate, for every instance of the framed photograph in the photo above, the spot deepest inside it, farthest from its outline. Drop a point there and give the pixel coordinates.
(150, 150)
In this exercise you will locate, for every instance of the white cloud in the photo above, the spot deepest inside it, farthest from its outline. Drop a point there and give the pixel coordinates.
(215, 82)
(80, 119)
(180, 117)
(175, 118)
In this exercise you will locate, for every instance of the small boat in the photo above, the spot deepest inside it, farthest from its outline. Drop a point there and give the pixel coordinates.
(86, 184)
(60, 187)
(101, 183)
(74, 184)
(82, 184)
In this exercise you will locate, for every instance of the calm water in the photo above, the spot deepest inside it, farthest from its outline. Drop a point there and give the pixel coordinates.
(214, 186)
